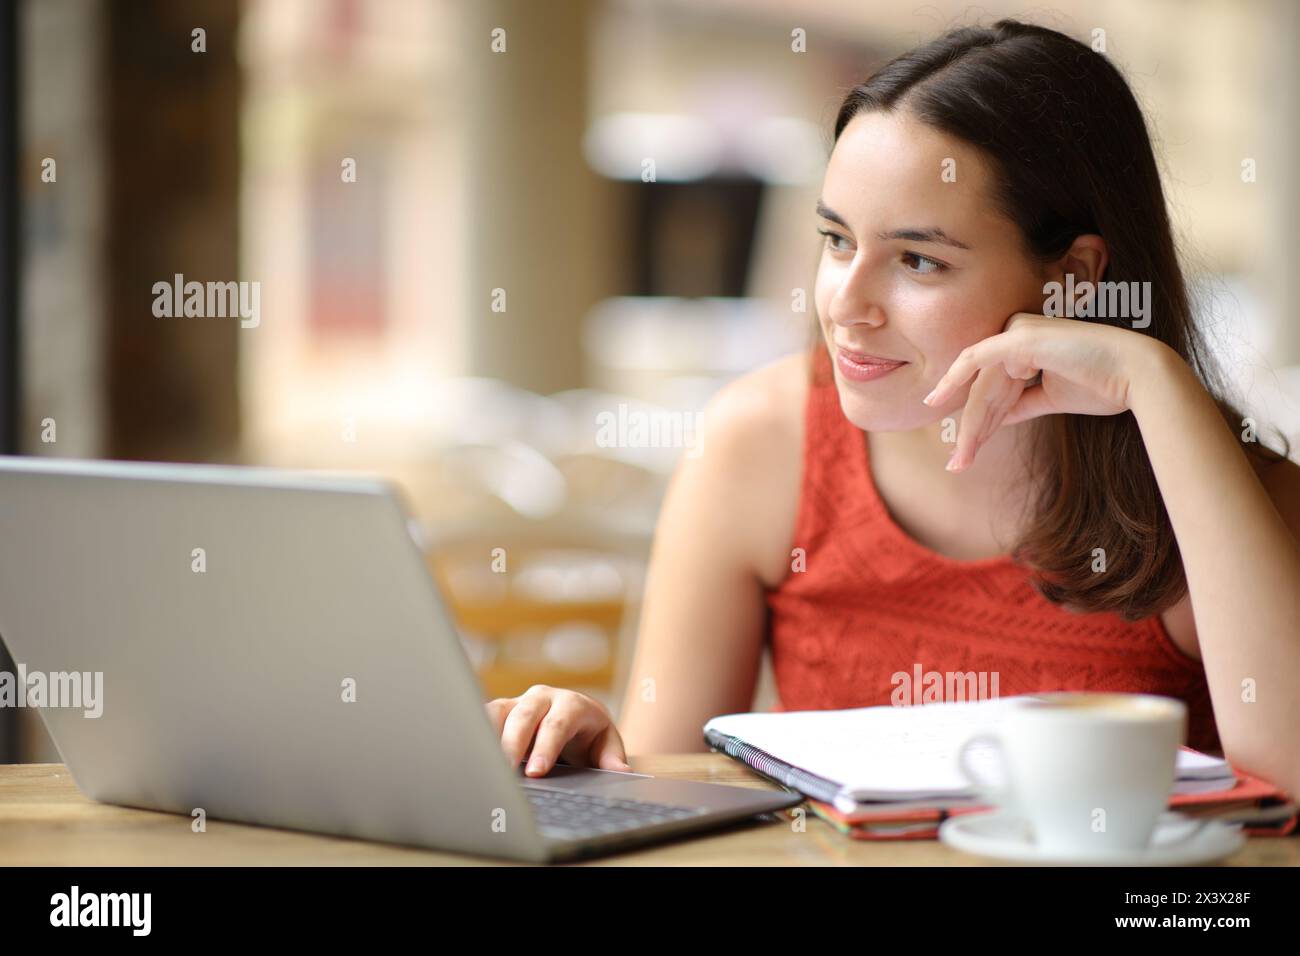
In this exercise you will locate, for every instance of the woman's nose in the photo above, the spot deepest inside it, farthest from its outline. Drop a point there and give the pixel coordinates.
(855, 302)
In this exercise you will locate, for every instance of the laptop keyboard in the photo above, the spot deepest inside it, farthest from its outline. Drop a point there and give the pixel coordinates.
(565, 815)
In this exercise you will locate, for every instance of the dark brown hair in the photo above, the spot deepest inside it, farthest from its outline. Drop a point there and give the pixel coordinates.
(1071, 155)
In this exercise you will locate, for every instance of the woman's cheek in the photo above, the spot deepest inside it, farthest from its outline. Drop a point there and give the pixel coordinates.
(931, 323)
(829, 275)
(824, 289)
(944, 316)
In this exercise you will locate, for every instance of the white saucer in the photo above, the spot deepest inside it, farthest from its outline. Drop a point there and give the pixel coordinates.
(1002, 837)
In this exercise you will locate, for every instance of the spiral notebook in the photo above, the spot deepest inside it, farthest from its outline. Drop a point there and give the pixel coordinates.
(873, 763)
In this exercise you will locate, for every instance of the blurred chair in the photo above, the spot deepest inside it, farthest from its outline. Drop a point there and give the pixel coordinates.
(543, 556)
(540, 602)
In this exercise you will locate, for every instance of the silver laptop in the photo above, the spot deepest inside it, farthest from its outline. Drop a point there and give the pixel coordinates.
(269, 647)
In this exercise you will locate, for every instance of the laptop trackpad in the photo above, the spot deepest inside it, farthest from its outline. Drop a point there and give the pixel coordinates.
(581, 779)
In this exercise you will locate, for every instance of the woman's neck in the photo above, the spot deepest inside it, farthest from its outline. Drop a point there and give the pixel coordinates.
(997, 478)
(1001, 455)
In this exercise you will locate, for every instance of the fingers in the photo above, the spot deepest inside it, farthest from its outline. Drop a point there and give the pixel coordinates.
(963, 367)
(972, 422)
(608, 752)
(991, 395)
(1020, 319)
(593, 738)
(557, 728)
(1012, 388)
(547, 723)
(498, 710)
(1012, 350)
(1032, 403)
(521, 724)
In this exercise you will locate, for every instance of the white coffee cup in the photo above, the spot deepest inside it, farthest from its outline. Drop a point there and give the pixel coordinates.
(1090, 773)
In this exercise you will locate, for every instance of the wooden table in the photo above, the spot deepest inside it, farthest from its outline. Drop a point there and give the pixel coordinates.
(46, 821)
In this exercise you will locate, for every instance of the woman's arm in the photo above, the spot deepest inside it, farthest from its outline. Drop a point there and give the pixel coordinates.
(724, 529)
(1242, 563)
(1240, 555)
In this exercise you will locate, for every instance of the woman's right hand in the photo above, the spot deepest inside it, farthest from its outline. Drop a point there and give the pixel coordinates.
(557, 723)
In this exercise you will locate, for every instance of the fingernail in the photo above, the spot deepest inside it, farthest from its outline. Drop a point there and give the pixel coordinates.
(952, 461)
(535, 764)
(929, 398)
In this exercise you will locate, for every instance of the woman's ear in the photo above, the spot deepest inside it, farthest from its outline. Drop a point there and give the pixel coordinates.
(1086, 260)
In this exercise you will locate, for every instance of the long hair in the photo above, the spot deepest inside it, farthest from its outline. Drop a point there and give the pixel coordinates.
(1071, 155)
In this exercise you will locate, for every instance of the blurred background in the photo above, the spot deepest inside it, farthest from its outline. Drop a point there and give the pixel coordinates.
(482, 231)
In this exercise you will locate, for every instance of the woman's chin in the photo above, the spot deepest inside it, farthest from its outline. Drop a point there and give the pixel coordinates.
(877, 415)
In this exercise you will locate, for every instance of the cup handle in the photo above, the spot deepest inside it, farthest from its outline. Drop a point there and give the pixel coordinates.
(999, 796)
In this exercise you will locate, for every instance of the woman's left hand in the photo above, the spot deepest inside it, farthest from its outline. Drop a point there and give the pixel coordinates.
(1087, 369)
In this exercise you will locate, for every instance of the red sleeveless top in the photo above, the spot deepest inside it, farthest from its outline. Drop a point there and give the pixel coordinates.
(872, 603)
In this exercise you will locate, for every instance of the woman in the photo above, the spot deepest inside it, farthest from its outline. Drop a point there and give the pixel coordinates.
(1103, 520)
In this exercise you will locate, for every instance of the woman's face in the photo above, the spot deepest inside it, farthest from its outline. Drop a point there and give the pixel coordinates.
(918, 264)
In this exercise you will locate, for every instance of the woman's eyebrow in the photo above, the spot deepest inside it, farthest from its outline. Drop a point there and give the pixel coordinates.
(932, 234)
(827, 213)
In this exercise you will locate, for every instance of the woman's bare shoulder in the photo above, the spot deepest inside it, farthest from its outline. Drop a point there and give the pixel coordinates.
(760, 414)
(754, 427)
(769, 388)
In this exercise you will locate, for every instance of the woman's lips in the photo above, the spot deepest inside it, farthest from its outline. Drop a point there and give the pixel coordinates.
(860, 367)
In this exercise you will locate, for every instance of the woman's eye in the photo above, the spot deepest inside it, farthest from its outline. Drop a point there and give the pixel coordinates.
(924, 264)
(831, 237)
